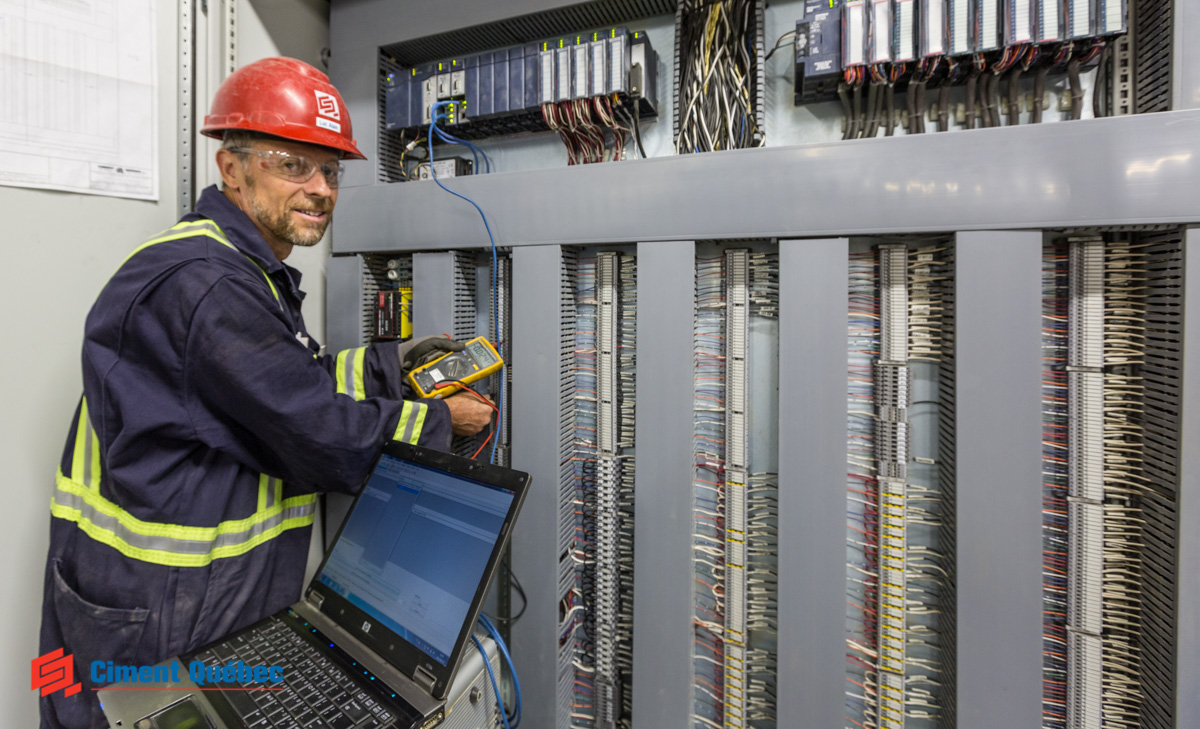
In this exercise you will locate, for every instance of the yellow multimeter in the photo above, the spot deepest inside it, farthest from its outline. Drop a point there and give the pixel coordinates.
(476, 361)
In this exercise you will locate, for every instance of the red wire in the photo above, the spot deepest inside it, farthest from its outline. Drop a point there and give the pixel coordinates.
(482, 399)
(485, 442)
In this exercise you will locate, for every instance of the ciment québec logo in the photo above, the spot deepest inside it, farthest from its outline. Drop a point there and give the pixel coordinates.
(327, 111)
(327, 105)
(55, 671)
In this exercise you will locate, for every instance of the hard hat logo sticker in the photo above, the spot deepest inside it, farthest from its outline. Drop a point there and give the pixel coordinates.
(327, 105)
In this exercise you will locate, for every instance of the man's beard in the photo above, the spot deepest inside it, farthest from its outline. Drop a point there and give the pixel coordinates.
(282, 226)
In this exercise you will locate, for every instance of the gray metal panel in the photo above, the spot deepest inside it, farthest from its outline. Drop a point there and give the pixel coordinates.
(1185, 71)
(343, 303)
(354, 71)
(1132, 169)
(433, 294)
(360, 23)
(813, 283)
(1188, 667)
(536, 302)
(999, 418)
(662, 655)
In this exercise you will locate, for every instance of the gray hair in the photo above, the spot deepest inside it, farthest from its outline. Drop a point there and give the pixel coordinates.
(234, 139)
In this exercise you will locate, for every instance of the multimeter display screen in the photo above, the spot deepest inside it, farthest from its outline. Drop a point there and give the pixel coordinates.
(481, 354)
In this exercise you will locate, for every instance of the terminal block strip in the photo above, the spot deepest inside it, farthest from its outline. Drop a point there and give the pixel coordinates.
(737, 328)
(608, 478)
(1085, 361)
(892, 449)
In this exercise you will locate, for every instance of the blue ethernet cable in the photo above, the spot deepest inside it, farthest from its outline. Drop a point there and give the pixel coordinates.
(433, 129)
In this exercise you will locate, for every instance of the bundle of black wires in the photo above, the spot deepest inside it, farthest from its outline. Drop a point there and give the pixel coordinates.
(717, 57)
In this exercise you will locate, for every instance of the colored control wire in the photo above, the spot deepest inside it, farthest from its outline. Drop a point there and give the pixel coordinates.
(1055, 484)
(715, 102)
(709, 493)
(434, 130)
(580, 614)
(1126, 302)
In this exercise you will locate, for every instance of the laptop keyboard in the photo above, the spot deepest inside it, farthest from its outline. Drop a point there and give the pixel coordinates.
(315, 691)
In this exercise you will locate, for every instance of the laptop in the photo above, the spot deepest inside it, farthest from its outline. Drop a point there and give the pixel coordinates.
(378, 635)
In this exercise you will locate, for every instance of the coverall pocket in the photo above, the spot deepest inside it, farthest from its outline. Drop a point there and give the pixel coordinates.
(94, 632)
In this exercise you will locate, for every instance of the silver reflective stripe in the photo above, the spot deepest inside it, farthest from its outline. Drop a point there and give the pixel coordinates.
(271, 491)
(234, 538)
(172, 544)
(349, 374)
(410, 415)
(88, 444)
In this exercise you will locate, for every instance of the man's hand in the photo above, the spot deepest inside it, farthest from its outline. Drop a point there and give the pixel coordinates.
(468, 414)
(416, 352)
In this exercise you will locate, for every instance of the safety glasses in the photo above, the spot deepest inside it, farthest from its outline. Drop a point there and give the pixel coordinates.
(295, 167)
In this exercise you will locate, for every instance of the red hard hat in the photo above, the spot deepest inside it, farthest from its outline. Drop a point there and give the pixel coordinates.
(285, 98)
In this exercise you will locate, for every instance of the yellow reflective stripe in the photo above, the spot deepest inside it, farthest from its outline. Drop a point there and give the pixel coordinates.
(191, 229)
(264, 487)
(339, 367)
(95, 457)
(274, 291)
(402, 424)
(270, 492)
(422, 410)
(349, 367)
(185, 230)
(170, 544)
(174, 531)
(85, 460)
(360, 360)
(77, 458)
(412, 421)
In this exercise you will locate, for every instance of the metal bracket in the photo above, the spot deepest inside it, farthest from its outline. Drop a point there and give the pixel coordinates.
(187, 93)
(423, 678)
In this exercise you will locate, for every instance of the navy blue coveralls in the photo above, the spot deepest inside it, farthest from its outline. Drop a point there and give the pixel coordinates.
(184, 501)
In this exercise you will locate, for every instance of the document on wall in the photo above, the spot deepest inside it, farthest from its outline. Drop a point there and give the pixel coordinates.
(78, 96)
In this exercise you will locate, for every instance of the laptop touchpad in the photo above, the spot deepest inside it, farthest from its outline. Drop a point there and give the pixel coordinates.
(183, 714)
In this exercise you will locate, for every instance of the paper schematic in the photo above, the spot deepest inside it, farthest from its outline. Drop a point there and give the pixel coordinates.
(78, 96)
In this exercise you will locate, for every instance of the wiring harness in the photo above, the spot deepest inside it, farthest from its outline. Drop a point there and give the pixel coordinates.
(717, 57)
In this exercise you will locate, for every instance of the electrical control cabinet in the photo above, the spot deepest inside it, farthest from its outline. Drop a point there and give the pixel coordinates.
(941, 494)
(501, 92)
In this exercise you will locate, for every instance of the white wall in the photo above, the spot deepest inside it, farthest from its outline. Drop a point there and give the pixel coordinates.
(59, 250)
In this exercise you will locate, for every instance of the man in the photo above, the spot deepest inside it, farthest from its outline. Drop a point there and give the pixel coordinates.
(185, 497)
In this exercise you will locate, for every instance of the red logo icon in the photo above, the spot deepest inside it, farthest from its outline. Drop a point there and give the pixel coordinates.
(327, 105)
(52, 672)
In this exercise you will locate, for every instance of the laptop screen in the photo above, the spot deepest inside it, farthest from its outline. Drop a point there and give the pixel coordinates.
(415, 549)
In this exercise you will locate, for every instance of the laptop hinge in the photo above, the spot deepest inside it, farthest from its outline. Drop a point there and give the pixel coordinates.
(423, 678)
(314, 598)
